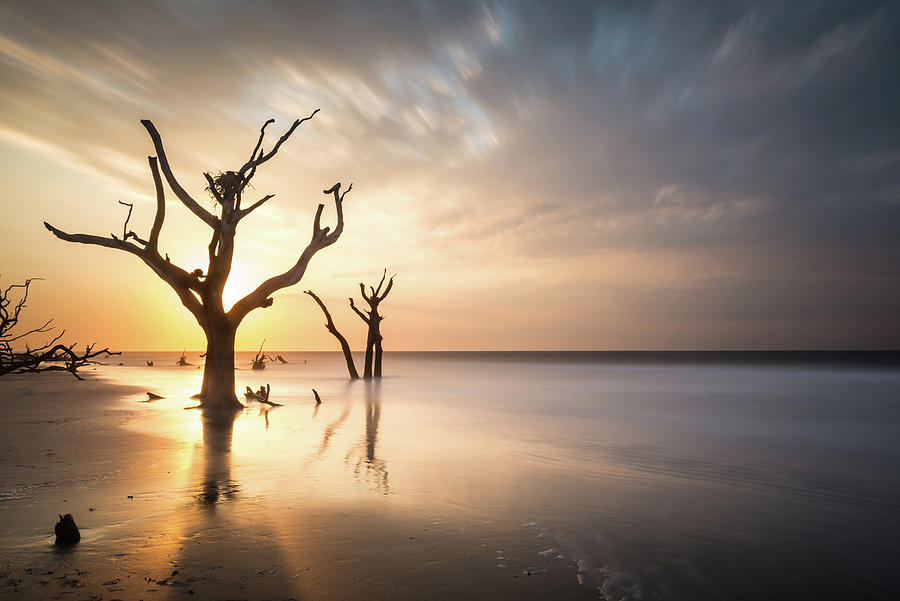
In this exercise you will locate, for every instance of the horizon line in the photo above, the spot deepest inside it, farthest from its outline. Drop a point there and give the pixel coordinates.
(709, 350)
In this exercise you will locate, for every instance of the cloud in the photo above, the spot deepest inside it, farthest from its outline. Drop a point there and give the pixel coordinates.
(741, 132)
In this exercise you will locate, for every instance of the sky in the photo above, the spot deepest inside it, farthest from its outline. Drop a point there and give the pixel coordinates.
(540, 175)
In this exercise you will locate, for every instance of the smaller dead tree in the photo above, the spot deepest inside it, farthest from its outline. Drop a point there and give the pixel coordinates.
(329, 325)
(373, 318)
(259, 361)
(46, 357)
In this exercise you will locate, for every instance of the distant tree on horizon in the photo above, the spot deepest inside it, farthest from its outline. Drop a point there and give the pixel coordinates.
(372, 318)
(199, 292)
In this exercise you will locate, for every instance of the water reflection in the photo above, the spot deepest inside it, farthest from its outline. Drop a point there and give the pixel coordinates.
(217, 485)
(264, 411)
(219, 516)
(369, 464)
(330, 430)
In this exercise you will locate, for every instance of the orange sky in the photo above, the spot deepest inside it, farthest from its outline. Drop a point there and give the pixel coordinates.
(532, 186)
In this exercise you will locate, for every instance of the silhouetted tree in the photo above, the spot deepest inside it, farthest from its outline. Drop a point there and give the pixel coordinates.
(46, 357)
(201, 293)
(259, 361)
(345, 346)
(373, 320)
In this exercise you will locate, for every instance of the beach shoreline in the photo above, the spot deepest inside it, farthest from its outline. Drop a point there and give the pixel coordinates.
(163, 518)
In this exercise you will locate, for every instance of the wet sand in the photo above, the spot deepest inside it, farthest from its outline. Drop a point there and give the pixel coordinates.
(168, 518)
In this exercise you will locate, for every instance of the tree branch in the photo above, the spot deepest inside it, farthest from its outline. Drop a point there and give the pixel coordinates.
(126, 233)
(388, 289)
(95, 240)
(186, 199)
(244, 212)
(179, 279)
(213, 190)
(381, 283)
(9, 320)
(39, 330)
(160, 216)
(262, 134)
(33, 358)
(329, 325)
(32, 363)
(265, 157)
(363, 316)
(321, 238)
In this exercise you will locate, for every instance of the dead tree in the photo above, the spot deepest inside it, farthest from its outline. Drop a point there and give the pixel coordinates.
(373, 320)
(259, 361)
(199, 292)
(345, 346)
(46, 357)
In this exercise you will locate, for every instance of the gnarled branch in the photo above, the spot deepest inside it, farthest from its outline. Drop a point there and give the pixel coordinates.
(329, 325)
(36, 363)
(262, 158)
(186, 199)
(244, 212)
(34, 359)
(362, 315)
(160, 216)
(259, 298)
(126, 233)
(179, 279)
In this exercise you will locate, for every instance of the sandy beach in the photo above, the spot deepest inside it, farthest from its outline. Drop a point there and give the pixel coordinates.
(164, 515)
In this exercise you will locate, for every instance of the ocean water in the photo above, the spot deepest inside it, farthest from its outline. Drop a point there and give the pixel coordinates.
(619, 476)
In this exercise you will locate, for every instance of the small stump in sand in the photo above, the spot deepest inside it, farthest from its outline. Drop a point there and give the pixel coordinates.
(66, 531)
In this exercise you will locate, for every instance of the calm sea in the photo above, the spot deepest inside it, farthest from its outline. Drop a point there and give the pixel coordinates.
(651, 475)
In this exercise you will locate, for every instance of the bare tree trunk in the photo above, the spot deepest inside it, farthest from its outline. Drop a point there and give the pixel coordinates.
(370, 346)
(378, 352)
(217, 391)
(348, 357)
(373, 319)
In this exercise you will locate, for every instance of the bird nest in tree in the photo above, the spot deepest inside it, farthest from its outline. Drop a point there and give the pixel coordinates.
(227, 184)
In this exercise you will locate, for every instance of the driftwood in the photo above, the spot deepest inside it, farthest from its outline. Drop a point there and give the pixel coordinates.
(280, 359)
(66, 531)
(149, 363)
(46, 357)
(182, 360)
(154, 397)
(259, 361)
(318, 398)
(199, 290)
(260, 396)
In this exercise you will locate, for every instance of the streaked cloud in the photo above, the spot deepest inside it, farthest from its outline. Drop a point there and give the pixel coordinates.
(637, 166)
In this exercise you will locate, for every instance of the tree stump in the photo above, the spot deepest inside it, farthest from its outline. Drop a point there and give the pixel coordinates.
(66, 531)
